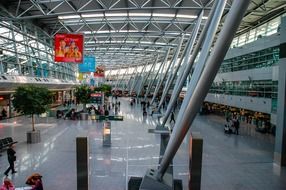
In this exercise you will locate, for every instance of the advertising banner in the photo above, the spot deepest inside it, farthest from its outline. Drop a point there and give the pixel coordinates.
(92, 82)
(99, 73)
(80, 76)
(68, 48)
(88, 65)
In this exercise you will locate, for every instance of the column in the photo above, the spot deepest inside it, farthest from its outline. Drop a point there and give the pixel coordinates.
(280, 137)
(218, 53)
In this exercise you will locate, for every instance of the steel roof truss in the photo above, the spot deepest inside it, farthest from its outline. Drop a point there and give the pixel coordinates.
(54, 8)
(25, 11)
(38, 7)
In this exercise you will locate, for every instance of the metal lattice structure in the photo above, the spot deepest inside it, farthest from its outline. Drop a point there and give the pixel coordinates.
(121, 33)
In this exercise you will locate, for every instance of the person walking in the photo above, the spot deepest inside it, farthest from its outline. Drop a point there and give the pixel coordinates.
(172, 117)
(11, 159)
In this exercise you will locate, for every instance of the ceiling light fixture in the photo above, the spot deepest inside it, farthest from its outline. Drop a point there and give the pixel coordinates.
(68, 17)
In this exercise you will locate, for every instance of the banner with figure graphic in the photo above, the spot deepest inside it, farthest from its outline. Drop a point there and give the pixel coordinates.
(68, 48)
(99, 73)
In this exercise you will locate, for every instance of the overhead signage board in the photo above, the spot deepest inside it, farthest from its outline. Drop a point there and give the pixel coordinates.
(96, 95)
(88, 65)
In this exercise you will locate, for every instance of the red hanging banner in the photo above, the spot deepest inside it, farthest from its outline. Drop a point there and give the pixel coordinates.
(99, 72)
(68, 48)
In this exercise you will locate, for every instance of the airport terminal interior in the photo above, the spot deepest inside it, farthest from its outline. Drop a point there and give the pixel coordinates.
(143, 94)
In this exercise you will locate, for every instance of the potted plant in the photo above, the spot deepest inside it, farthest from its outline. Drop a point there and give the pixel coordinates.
(82, 94)
(31, 100)
(106, 89)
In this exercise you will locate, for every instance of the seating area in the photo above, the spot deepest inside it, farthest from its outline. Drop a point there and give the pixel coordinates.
(6, 142)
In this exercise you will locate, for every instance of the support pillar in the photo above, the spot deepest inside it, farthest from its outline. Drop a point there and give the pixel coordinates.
(145, 78)
(139, 75)
(220, 49)
(129, 83)
(119, 85)
(166, 87)
(162, 77)
(280, 137)
(199, 67)
(177, 88)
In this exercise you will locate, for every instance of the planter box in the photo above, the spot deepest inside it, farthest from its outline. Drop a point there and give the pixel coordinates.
(33, 137)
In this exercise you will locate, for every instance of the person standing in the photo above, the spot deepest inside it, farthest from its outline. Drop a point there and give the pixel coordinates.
(4, 113)
(236, 125)
(11, 159)
(172, 117)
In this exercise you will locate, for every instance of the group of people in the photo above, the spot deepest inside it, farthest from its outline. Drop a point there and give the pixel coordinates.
(70, 50)
(232, 123)
(68, 103)
(35, 180)
(105, 109)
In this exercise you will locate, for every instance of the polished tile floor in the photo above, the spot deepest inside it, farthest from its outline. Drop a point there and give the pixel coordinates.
(229, 162)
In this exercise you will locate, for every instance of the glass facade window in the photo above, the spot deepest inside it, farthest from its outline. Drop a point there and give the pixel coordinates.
(267, 29)
(264, 58)
(263, 88)
(274, 96)
(28, 51)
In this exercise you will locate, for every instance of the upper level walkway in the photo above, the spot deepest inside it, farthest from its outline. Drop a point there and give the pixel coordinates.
(230, 162)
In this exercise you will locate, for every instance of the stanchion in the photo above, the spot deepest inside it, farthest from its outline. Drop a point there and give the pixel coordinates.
(195, 165)
(106, 140)
(82, 163)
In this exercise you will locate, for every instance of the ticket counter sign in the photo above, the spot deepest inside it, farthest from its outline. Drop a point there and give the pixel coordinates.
(96, 94)
(96, 98)
(68, 48)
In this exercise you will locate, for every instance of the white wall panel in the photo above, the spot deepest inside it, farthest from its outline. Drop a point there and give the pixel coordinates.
(260, 44)
(245, 102)
(252, 74)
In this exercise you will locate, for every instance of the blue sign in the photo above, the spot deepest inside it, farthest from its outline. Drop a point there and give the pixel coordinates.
(45, 70)
(92, 82)
(88, 65)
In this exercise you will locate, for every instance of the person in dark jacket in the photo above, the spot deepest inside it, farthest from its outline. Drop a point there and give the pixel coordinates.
(4, 114)
(172, 117)
(236, 125)
(11, 159)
